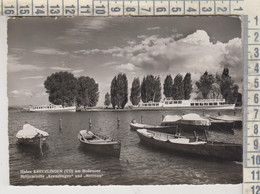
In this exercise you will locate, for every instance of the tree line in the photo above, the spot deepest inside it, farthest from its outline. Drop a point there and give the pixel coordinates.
(65, 89)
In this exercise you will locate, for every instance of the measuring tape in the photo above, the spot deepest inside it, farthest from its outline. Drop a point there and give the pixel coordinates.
(250, 9)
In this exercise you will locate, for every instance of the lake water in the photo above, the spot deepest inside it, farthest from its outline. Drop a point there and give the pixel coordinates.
(138, 164)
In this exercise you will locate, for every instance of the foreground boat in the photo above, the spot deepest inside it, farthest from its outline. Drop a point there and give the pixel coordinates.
(30, 135)
(99, 144)
(52, 108)
(236, 120)
(158, 128)
(225, 151)
(187, 122)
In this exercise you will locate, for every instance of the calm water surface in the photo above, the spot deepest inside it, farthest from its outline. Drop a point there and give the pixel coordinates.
(138, 164)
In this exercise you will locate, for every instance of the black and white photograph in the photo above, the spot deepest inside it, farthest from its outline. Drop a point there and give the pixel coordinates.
(125, 100)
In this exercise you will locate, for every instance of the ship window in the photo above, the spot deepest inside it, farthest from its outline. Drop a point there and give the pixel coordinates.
(170, 102)
(201, 104)
(157, 104)
(166, 102)
(149, 104)
(192, 104)
(210, 103)
(215, 103)
(175, 102)
(196, 104)
(206, 104)
(145, 104)
(179, 102)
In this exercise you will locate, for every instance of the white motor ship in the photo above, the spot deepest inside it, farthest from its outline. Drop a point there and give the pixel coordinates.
(169, 103)
(52, 108)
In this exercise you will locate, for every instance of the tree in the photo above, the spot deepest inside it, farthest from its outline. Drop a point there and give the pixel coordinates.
(187, 86)
(107, 100)
(113, 92)
(151, 89)
(167, 86)
(204, 85)
(157, 89)
(122, 90)
(228, 90)
(215, 92)
(119, 91)
(177, 88)
(135, 92)
(87, 92)
(61, 87)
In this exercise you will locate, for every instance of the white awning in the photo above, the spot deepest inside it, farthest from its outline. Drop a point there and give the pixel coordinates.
(29, 131)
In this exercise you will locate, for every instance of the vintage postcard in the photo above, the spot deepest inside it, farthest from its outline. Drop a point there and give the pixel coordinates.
(125, 100)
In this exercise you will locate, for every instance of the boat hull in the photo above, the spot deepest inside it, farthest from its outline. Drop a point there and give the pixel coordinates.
(221, 126)
(54, 109)
(107, 149)
(158, 128)
(219, 150)
(36, 141)
(220, 107)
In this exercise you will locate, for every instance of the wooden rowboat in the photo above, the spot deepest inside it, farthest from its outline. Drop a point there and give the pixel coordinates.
(225, 151)
(97, 143)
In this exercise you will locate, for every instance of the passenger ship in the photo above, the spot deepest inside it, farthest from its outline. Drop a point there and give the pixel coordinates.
(52, 108)
(169, 103)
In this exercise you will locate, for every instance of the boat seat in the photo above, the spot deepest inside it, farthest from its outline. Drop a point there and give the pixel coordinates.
(179, 140)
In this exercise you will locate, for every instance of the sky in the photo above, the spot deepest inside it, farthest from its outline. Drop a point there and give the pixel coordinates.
(102, 47)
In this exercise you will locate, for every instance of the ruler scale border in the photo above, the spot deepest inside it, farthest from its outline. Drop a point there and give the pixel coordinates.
(14, 8)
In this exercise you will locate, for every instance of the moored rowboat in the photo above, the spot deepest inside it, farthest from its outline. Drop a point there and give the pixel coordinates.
(30, 135)
(99, 144)
(225, 151)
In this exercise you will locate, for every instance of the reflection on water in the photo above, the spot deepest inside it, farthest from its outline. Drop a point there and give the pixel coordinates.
(138, 164)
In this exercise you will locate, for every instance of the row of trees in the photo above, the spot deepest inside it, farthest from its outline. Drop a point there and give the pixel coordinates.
(219, 86)
(63, 88)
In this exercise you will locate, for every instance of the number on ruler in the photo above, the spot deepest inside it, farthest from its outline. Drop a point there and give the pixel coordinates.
(256, 129)
(256, 20)
(256, 113)
(204, 9)
(148, 10)
(255, 189)
(256, 83)
(39, 9)
(256, 144)
(70, 9)
(255, 160)
(256, 98)
(191, 9)
(256, 34)
(100, 9)
(24, 9)
(9, 10)
(256, 54)
(130, 9)
(255, 175)
(176, 9)
(256, 69)
(222, 9)
(85, 7)
(160, 9)
(55, 9)
(115, 9)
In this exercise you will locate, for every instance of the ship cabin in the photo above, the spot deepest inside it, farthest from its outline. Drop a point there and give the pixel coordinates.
(201, 102)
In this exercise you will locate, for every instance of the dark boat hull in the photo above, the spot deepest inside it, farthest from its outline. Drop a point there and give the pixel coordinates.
(108, 150)
(219, 150)
(222, 126)
(36, 141)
